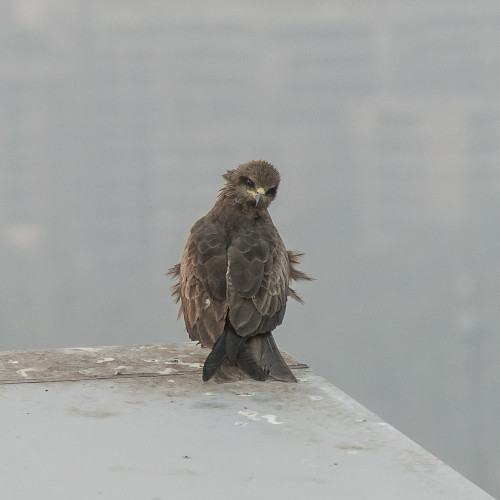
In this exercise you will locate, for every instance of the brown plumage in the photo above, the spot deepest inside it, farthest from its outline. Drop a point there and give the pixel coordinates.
(234, 278)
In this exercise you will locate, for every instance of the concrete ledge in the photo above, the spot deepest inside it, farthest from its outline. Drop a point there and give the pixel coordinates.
(90, 363)
(137, 422)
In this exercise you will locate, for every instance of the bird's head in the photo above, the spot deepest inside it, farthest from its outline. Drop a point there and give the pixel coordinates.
(253, 184)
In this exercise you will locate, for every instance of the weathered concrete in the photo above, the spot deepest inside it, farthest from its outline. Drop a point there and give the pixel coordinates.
(138, 423)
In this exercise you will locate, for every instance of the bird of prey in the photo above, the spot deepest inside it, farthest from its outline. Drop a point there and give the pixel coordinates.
(234, 278)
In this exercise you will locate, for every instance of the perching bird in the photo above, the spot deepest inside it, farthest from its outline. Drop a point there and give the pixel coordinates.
(234, 278)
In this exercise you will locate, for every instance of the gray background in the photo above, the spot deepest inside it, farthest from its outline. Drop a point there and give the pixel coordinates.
(117, 119)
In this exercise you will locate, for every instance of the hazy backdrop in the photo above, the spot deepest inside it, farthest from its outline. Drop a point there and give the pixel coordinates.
(117, 119)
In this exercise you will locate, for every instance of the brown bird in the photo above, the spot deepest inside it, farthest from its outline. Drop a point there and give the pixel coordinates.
(234, 278)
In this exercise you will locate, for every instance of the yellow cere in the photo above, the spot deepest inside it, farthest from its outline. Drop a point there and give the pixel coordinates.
(256, 192)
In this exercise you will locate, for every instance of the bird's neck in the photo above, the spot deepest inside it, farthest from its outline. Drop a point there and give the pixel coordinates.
(227, 208)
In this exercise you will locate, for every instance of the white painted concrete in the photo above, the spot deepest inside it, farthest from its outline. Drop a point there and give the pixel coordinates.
(123, 428)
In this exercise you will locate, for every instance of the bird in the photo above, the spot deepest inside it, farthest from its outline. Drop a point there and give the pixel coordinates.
(234, 278)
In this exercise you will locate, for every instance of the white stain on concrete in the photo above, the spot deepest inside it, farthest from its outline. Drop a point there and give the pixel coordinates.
(104, 360)
(251, 415)
(86, 372)
(254, 415)
(272, 419)
(13, 362)
(166, 371)
(24, 372)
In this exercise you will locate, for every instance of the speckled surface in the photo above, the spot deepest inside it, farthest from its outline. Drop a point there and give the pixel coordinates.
(106, 362)
(137, 422)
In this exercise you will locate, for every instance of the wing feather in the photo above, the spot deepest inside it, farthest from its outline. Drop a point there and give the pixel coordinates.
(257, 280)
(202, 282)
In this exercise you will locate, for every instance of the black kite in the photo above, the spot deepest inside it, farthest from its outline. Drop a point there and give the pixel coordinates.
(234, 278)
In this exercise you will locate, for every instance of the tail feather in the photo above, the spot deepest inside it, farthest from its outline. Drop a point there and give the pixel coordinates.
(216, 357)
(234, 345)
(263, 348)
(248, 364)
(231, 347)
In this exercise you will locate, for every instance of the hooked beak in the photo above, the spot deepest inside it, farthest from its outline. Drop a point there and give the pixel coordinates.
(258, 196)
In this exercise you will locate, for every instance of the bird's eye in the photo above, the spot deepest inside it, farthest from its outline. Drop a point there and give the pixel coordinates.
(248, 182)
(271, 192)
